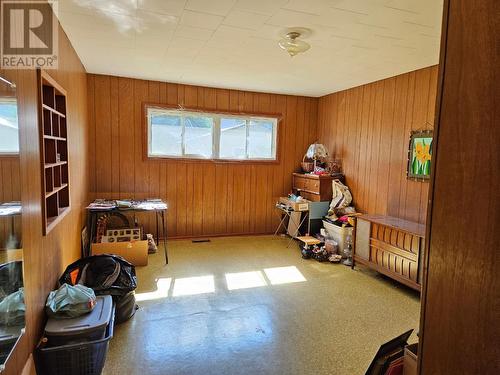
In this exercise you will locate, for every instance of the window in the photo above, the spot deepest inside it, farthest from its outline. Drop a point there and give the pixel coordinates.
(9, 131)
(185, 134)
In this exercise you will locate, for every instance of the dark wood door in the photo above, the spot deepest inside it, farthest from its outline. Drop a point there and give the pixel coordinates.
(460, 326)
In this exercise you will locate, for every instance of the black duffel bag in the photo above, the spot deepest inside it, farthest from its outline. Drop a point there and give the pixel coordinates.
(106, 275)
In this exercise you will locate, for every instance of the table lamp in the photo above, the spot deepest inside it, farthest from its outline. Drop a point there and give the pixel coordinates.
(316, 152)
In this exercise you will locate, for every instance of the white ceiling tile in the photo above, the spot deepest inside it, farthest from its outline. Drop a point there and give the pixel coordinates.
(161, 20)
(102, 25)
(173, 63)
(289, 18)
(155, 30)
(362, 7)
(184, 47)
(193, 32)
(267, 7)
(217, 7)
(246, 20)
(179, 42)
(412, 6)
(268, 32)
(310, 6)
(231, 33)
(353, 41)
(203, 20)
(126, 7)
(70, 6)
(169, 7)
(152, 38)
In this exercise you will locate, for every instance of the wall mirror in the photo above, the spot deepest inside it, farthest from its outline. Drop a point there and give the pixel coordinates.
(12, 308)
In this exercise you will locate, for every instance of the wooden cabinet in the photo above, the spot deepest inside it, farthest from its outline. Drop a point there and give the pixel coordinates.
(391, 246)
(313, 187)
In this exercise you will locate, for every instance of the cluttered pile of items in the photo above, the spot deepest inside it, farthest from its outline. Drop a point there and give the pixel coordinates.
(334, 241)
(321, 207)
(95, 293)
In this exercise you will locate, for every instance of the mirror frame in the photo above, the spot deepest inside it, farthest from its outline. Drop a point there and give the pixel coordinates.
(3, 365)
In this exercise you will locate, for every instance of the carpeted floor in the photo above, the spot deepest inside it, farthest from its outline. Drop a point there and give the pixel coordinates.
(250, 305)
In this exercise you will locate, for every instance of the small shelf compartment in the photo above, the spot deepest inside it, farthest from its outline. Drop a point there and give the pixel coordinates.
(53, 151)
(62, 150)
(55, 125)
(63, 196)
(57, 176)
(47, 122)
(56, 190)
(61, 104)
(48, 95)
(49, 184)
(62, 128)
(64, 174)
(49, 151)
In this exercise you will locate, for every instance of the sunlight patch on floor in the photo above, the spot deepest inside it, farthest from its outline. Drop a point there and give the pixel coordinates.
(162, 289)
(188, 286)
(244, 280)
(284, 275)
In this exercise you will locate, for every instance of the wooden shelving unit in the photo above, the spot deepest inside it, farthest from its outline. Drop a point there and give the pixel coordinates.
(53, 151)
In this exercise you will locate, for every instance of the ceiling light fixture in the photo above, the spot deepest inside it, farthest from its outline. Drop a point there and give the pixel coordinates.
(291, 43)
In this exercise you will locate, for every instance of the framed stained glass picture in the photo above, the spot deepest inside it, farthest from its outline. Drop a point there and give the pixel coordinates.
(420, 155)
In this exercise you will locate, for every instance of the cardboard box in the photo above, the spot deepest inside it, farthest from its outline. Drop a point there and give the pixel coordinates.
(295, 206)
(410, 360)
(136, 252)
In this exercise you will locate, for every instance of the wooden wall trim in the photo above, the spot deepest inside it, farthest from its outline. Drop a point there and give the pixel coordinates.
(461, 304)
(146, 157)
(428, 234)
(278, 115)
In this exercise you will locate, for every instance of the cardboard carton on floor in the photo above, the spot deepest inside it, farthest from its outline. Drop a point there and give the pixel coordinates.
(136, 252)
(295, 206)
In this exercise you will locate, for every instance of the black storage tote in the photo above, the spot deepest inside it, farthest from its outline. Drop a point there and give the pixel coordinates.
(77, 358)
(88, 327)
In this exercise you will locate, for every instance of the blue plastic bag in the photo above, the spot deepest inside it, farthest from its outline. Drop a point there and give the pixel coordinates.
(70, 301)
(12, 309)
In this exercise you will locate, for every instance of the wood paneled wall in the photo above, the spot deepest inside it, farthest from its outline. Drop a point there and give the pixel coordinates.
(368, 127)
(46, 257)
(205, 198)
(9, 191)
(460, 320)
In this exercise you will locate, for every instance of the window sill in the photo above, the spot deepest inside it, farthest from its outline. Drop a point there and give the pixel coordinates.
(211, 161)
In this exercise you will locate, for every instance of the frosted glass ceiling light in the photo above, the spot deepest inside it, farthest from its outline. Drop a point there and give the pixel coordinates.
(292, 44)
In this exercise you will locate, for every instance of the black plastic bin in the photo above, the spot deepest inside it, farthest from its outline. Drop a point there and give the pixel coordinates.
(85, 358)
(87, 327)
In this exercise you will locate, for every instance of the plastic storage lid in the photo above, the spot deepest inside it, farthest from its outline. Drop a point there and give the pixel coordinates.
(9, 334)
(99, 318)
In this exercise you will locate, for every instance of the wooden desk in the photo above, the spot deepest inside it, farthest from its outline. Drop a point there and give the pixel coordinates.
(156, 206)
(391, 246)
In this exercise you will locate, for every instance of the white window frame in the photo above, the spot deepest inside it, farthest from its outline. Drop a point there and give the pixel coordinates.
(12, 100)
(216, 132)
